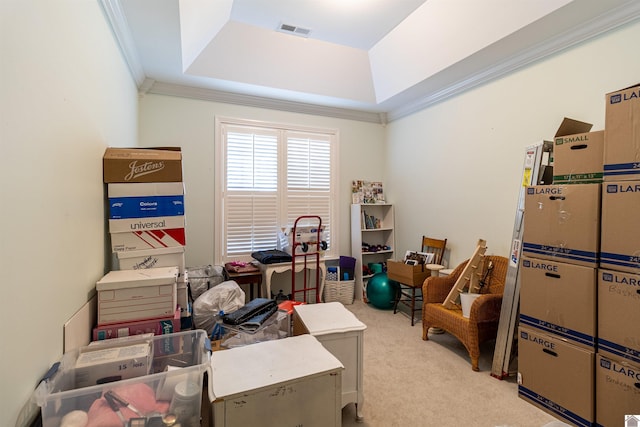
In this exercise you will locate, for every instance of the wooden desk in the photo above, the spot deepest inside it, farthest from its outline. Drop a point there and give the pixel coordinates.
(246, 278)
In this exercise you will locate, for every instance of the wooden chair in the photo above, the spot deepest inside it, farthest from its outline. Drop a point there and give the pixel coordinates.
(406, 294)
(484, 317)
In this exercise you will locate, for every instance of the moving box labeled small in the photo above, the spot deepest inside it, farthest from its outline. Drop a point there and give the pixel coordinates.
(556, 376)
(578, 159)
(620, 238)
(562, 223)
(550, 291)
(142, 165)
(617, 391)
(127, 295)
(622, 134)
(619, 315)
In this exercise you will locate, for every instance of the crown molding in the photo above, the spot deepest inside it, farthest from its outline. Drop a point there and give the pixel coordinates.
(611, 20)
(608, 21)
(162, 88)
(120, 28)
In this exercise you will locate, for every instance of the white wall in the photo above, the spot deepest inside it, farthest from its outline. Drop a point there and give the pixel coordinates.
(454, 169)
(165, 120)
(65, 94)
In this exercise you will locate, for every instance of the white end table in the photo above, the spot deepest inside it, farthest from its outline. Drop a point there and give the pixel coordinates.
(341, 333)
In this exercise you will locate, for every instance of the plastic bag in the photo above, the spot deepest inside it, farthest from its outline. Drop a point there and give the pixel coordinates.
(226, 297)
(203, 278)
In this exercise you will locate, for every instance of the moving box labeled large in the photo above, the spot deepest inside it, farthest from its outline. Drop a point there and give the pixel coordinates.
(550, 291)
(562, 223)
(622, 134)
(620, 238)
(556, 376)
(619, 315)
(617, 390)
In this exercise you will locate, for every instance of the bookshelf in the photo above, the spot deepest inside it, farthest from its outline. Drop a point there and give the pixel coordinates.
(372, 239)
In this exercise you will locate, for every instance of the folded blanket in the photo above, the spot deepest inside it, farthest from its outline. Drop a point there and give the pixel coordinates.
(253, 309)
(271, 256)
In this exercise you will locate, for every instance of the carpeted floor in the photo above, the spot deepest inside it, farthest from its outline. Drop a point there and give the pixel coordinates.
(409, 382)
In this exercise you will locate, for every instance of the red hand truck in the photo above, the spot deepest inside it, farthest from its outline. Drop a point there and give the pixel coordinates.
(307, 243)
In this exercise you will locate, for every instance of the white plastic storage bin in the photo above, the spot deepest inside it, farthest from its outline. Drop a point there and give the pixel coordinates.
(170, 387)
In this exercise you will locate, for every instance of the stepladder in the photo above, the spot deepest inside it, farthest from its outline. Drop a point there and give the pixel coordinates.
(535, 171)
(469, 278)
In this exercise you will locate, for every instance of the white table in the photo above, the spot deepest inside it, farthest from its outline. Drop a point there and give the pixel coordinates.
(341, 333)
(293, 381)
(268, 270)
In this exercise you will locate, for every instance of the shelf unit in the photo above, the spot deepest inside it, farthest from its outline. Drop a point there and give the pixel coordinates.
(383, 235)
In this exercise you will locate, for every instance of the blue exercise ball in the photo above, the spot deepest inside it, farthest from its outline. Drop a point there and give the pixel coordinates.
(381, 292)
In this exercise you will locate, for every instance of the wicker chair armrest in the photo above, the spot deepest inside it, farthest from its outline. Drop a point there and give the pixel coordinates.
(486, 308)
(436, 289)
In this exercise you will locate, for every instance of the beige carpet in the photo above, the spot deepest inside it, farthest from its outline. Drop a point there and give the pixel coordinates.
(409, 382)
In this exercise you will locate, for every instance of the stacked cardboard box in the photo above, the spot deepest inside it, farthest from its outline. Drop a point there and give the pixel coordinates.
(579, 344)
(618, 361)
(557, 332)
(147, 229)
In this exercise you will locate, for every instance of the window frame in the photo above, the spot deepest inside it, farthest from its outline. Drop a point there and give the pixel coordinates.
(220, 255)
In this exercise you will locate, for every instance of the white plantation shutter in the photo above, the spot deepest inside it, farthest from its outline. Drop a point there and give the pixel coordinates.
(271, 176)
(309, 178)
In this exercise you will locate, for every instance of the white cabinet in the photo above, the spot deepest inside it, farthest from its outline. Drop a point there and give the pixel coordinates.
(287, 382)
(340, 332)
(372, 241)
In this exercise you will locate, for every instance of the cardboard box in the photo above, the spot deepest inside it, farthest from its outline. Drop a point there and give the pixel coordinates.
(127, 295)
(145, 207)
(146, 224)
(163, 326)
(101, 366)
(556, 376)
(617, 392)
(145, 189)
(142, 240)
(413, 275)
(619, 315)
(620, 238)
(622, 134)
(559, 298)
(150, 258)
(578, 158)
(562, 223)
(142, 165)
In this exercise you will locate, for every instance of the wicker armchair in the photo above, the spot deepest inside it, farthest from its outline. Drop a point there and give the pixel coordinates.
(482, 324)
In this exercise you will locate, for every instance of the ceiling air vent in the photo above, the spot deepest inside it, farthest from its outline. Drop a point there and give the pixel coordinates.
(295, 30)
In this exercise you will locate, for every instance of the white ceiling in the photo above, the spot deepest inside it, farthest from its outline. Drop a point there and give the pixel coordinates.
(373, 60)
